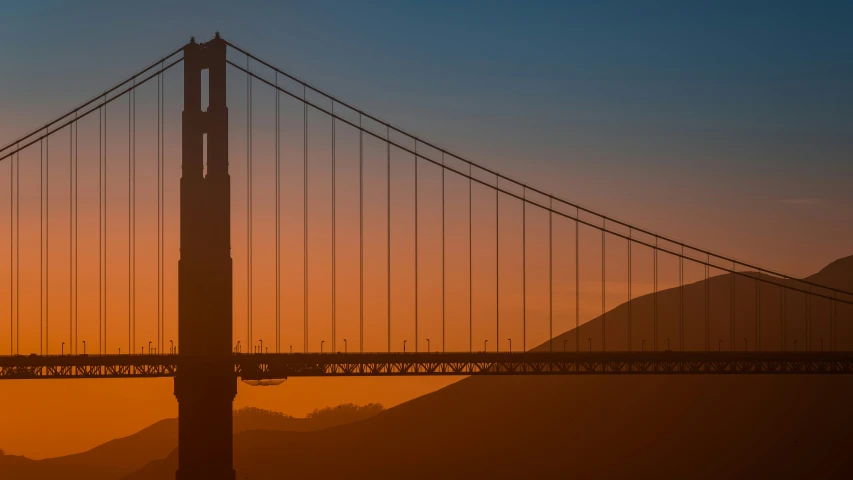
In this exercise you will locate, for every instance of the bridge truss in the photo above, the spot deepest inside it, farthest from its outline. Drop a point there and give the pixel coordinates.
(273, 366)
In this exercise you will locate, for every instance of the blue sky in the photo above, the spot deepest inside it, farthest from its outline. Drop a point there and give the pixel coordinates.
(693, 119)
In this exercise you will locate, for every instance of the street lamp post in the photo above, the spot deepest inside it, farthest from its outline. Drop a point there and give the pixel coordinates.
(149, 348)
(643, 345)
(564, 345)
(404, 346)
(84, 347)
(172, 346)
(720, 345)
(510, 345)
(486, 345)
(345, 346)
(667, 343)
(321, 345)
(291, 349)
(238, 345)
(590, 343)
(262, 346)
(427, 345)
(62, 351)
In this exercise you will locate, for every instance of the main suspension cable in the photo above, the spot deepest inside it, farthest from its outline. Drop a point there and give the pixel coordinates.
(542, 206)
(487, 170)
(81, 108)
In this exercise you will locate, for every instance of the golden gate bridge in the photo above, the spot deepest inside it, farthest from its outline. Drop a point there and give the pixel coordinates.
(785, 318)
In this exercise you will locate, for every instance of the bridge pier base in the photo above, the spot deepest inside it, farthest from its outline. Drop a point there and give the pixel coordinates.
(205, 428)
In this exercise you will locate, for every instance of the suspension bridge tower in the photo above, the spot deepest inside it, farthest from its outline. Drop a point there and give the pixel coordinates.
(205, 384)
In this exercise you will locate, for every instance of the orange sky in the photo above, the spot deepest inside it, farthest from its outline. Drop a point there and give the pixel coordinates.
(94, 411)
(46, 414)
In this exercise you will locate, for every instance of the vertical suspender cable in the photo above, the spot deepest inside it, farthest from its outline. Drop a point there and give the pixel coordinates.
(577, 281)
(470, 262)
(76, 238)
(708, 304)
(833, 331)
(630, 295)
(388, 204)
(732, 301)
(41, 247)
(524, 268)
(550, 274)
(681, 299)
(130, 347)
(360, 236)
(758, 312)
(603, 286)
(71, 238)
(100, 228)
(11, 256)
(497, 265)
(106, 229)
(277, 217)
(809, 319)
(305, 218)
(159, 206)
(416, 245)
(18, 251)
(133, 93)
(334, 203)
(783, 323)
(443, 261)
(249, 209)
(159, 231)
(162, 208)
(655, 313)
(46, 245)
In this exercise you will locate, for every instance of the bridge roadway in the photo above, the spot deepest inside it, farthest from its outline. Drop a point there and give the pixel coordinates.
(269, 366)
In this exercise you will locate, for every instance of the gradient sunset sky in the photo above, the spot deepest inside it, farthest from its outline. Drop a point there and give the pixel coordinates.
(728, 126)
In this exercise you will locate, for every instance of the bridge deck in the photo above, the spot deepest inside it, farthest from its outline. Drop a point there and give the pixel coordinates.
(275, 366)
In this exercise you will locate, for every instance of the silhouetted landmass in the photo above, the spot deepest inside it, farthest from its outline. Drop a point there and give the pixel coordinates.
(748, 427)
(757, 426)
(122, 456)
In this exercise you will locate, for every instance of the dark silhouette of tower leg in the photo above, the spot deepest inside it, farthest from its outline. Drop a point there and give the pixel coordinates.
(205, 384)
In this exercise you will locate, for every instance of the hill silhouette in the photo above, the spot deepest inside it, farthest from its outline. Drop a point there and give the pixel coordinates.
(119, 457)
(596, 426)
(552, 427)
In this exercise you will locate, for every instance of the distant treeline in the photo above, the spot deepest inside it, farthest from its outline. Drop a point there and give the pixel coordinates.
(254, 417)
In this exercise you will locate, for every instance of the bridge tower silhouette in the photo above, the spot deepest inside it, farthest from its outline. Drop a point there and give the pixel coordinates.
(206, 385)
